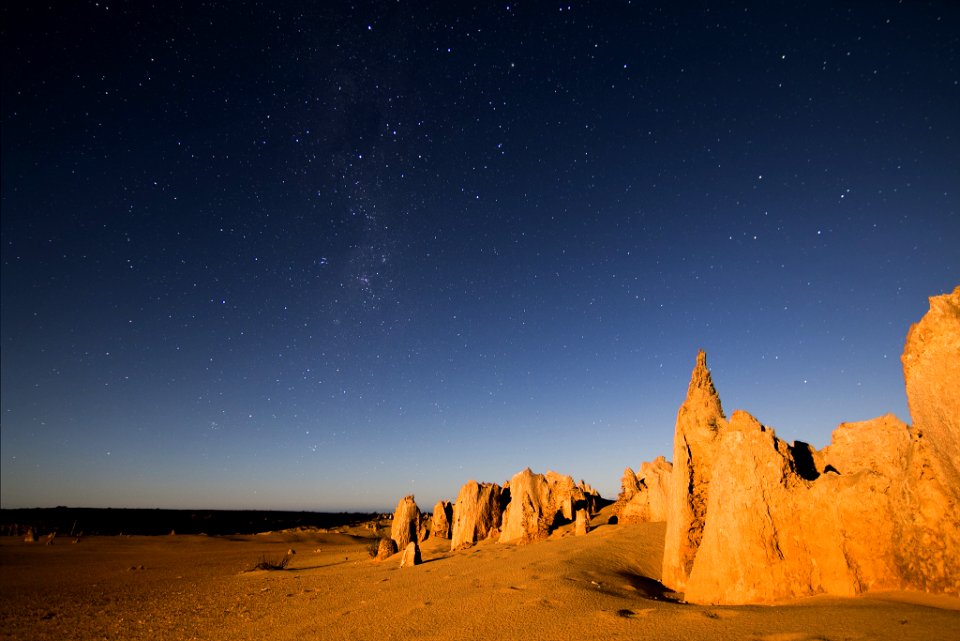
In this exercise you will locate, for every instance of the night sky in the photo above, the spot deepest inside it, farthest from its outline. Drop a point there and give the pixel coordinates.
(321, 255)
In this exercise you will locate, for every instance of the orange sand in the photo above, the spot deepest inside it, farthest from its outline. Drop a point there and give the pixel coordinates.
(593, 587)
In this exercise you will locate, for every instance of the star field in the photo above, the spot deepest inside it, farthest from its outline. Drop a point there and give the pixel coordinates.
(318, 256)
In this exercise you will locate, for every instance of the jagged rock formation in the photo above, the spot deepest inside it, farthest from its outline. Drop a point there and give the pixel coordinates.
(931, 369)
(442, 517)
(879, 508)
(386, 548)
(411, 555)
(629, 488)
(645, 496)
(591, 497)
(476, 513)
(539, 503)
(531, 511)
(698, 423)
(406, 522)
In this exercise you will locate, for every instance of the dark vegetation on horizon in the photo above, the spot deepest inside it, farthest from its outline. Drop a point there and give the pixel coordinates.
(71, 521)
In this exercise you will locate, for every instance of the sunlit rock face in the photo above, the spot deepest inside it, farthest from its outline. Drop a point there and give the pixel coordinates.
(411, 555)
(877, 509)
(645, 495)
(531, 511)
(440, 526)
(476, 513)
(931, 369)
(778, 527)
(582, 523)
(930, 545)
(540, 503)
(406, 522)
(699, 422)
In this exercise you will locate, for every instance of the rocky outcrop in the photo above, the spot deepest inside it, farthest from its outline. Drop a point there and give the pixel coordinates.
(569, 496)
(406, 522)
(645, 496)
(531, 511)
(877, 509)
(778, 526)
(591, 497)
(931, 370)
(442, 517)
(386, 548)
(699, 421)
(539, 504)
(476, 514)
(629, 488)
(411, 555)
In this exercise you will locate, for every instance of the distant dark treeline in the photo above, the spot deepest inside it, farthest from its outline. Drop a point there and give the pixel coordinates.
(70, 521)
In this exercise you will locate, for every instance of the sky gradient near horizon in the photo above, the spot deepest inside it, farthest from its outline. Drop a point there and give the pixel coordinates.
(321, 255)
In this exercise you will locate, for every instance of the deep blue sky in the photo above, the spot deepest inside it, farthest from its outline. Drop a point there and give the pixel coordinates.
(320, 255)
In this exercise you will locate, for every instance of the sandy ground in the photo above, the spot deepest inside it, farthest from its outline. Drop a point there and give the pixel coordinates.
(593, 587)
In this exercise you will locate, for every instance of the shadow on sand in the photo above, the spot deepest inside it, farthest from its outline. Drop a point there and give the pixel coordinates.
(652, 589)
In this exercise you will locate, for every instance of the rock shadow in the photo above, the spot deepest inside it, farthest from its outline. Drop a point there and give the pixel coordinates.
(803, 461)
(651, 589)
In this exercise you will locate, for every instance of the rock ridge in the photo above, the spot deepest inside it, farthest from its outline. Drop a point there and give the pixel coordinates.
(754, 519)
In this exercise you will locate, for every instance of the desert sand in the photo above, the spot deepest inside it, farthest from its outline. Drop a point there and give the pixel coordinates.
(566, 587)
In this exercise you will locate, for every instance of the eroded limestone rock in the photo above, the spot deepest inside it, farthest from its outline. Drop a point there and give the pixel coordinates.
(582, 527)
(645, 495)
(411, 555)
(442, 518)
(406, 522)
(540, 503)
(476, 514)
(877, 509)
(386, 548)
(699, 421)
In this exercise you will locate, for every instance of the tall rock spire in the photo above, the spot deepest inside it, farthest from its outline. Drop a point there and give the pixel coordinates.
(699, 421)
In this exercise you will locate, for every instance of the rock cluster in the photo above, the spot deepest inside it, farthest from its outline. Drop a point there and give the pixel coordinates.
(526, 508)
(755, 519)
(539, 503)
(645, 495)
